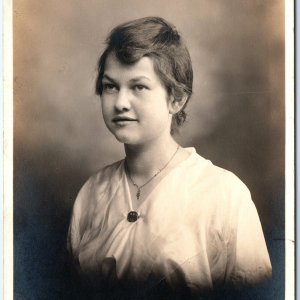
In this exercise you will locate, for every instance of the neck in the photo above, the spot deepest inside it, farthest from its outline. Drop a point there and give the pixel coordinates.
(143, 161)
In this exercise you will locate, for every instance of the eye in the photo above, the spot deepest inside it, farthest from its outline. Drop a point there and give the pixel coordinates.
(139, 87)
(109, 87)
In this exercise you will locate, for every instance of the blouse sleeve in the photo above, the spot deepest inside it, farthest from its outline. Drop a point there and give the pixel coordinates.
(250, 260)
(77, 219)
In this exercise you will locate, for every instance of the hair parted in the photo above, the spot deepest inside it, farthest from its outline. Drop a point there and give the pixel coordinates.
(155, 38)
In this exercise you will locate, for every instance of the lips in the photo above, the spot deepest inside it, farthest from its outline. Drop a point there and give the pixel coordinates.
(121, 119)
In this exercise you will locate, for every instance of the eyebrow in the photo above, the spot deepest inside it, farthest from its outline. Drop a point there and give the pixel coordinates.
(109, 78)
(139, 78)
(133, 80)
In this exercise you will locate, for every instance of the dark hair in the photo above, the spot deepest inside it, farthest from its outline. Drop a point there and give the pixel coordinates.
(155, 38)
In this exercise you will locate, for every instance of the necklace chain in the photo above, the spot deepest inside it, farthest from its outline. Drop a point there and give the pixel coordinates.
(139, 188)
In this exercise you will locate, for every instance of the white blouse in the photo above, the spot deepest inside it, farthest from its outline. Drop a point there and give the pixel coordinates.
(199, 220)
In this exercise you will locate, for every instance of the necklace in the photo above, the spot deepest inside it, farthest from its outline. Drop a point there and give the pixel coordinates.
(139, 188)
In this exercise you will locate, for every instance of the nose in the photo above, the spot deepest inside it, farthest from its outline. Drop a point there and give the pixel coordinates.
(122, 102)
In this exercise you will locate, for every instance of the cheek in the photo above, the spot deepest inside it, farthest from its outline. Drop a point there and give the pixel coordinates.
(106, 107)
(106, 118)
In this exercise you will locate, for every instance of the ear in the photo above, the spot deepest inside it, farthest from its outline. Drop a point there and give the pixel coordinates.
(175, 106)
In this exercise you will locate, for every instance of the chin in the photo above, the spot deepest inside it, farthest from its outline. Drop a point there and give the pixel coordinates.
(130, 137)
(125, 139)
(130, 140)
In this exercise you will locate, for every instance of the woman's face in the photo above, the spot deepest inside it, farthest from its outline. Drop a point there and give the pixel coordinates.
(135, 104)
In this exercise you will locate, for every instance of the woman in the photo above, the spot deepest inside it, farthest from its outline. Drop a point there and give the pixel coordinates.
(163, 219)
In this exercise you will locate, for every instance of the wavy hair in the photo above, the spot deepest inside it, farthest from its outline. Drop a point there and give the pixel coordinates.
(158, 39)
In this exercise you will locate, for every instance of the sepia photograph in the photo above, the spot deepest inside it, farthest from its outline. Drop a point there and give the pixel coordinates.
(149, 147)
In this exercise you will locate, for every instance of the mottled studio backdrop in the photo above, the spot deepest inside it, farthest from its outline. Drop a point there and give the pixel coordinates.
(236, 116)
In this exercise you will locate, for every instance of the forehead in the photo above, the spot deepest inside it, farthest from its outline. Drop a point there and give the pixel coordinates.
(142, 68)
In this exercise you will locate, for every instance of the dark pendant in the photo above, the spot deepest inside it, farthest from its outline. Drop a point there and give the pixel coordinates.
(132, 216)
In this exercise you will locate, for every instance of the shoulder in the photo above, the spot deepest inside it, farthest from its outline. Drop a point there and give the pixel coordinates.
(94, 192)
(229, 197)
(234, 192)
(104, 175)
(218, 178)
(230, 182)
(220, 191)
(97, 184)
